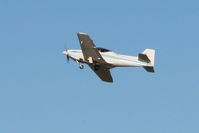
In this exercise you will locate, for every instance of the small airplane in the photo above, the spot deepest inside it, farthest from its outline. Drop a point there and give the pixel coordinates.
(101, 60)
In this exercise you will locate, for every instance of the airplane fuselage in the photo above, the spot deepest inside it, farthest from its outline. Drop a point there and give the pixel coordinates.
(112, 58)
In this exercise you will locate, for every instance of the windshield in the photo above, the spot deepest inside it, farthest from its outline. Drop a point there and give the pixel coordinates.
(103, 50)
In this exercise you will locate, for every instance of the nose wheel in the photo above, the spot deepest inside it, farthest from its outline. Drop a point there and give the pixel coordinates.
(81, 66)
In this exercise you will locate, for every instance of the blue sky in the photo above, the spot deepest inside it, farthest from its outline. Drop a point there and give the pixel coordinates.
(40, 92)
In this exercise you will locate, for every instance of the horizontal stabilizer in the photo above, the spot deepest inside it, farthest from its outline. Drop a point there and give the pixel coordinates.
(143, 57)
(149, 69)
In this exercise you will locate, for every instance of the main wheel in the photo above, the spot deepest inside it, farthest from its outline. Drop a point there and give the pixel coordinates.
(96, 67)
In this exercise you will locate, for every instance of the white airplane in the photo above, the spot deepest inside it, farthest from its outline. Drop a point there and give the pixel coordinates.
(101, 60)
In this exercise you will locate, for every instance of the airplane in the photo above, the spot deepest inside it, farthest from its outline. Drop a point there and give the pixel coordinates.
(101, 60)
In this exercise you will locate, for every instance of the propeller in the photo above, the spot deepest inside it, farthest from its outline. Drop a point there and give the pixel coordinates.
(66, 49)
(68, 58)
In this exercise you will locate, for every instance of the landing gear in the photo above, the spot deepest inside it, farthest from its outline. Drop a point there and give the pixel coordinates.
(81, 66)
(96, 67)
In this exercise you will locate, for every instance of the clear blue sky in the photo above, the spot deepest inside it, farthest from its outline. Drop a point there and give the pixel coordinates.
(40, 92)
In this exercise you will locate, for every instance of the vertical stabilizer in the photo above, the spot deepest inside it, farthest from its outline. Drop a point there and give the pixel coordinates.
(148, 56)
(150, 53)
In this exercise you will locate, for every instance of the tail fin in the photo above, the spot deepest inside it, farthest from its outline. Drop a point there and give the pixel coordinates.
(148, 56)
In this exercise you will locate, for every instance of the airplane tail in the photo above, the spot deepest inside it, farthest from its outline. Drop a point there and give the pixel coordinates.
(148, 56)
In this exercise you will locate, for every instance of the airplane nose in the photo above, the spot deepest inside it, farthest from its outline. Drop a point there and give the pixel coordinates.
(65, 52)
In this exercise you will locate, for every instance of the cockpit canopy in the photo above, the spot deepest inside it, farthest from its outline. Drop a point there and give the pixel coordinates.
(103, 49)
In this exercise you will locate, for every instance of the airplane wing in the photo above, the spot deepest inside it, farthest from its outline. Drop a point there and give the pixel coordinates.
(103, 73)
(89, 50)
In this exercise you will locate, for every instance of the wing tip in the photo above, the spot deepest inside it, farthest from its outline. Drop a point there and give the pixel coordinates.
(82, 33)
(107, 80)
